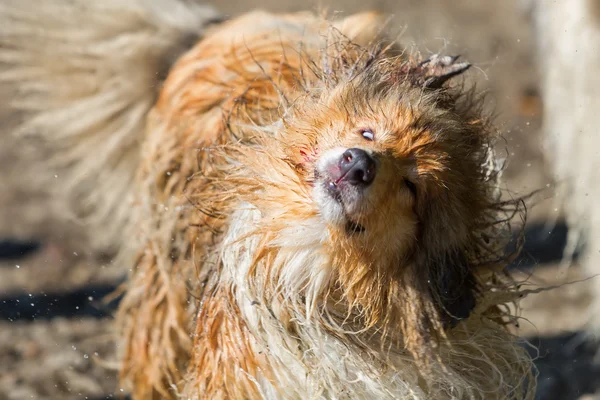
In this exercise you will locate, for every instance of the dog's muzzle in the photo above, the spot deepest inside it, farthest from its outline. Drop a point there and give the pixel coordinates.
(356, 167)
(343, 177)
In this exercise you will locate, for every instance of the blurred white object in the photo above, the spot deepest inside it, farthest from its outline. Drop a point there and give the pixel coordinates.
(568, 46)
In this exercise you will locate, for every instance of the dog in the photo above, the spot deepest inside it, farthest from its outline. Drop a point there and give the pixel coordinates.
(308, 210)
(567, 36)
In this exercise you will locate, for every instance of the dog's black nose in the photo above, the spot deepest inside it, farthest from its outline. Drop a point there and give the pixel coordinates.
(357, 167)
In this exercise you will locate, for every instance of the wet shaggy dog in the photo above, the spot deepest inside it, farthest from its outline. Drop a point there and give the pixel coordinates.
(307, 210)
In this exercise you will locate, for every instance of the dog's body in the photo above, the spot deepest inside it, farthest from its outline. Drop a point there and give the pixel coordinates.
(312, 216)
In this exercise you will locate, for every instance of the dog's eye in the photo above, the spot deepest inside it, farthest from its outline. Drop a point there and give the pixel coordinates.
(411, 186)
(367, 134)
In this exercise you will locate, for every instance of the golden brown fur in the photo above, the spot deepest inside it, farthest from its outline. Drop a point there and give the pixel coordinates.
(248, 281)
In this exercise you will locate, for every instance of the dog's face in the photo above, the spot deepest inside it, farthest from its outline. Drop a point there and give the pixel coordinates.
(396, 176)
(365, 181)
(379, 163)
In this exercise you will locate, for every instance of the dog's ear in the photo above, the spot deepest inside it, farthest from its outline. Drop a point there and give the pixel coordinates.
(441, 261)
(433, 72)
(452, 285)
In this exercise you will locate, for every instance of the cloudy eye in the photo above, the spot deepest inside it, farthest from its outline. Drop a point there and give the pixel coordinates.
(367, 134)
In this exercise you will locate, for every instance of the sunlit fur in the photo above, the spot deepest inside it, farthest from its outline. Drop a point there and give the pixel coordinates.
(247, 281)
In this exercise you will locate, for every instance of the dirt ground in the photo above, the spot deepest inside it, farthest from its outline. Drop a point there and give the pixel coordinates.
(55, 340)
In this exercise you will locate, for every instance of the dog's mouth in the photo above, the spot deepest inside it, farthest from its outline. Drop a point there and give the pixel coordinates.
(343, 198)
(351, 226)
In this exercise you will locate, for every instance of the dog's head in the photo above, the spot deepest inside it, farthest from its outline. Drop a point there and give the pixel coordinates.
(374, 193)
(396, 165)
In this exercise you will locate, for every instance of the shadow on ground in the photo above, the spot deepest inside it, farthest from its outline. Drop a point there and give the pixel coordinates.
(566, 365)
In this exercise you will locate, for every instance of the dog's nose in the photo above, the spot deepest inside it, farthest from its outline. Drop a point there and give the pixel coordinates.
(357, 167)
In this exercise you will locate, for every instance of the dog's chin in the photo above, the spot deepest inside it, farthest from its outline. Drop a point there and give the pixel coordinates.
(339, 205)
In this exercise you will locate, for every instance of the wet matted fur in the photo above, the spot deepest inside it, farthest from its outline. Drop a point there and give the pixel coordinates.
(254, 273)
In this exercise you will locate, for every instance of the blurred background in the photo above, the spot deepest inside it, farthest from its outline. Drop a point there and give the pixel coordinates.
(55, 321)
